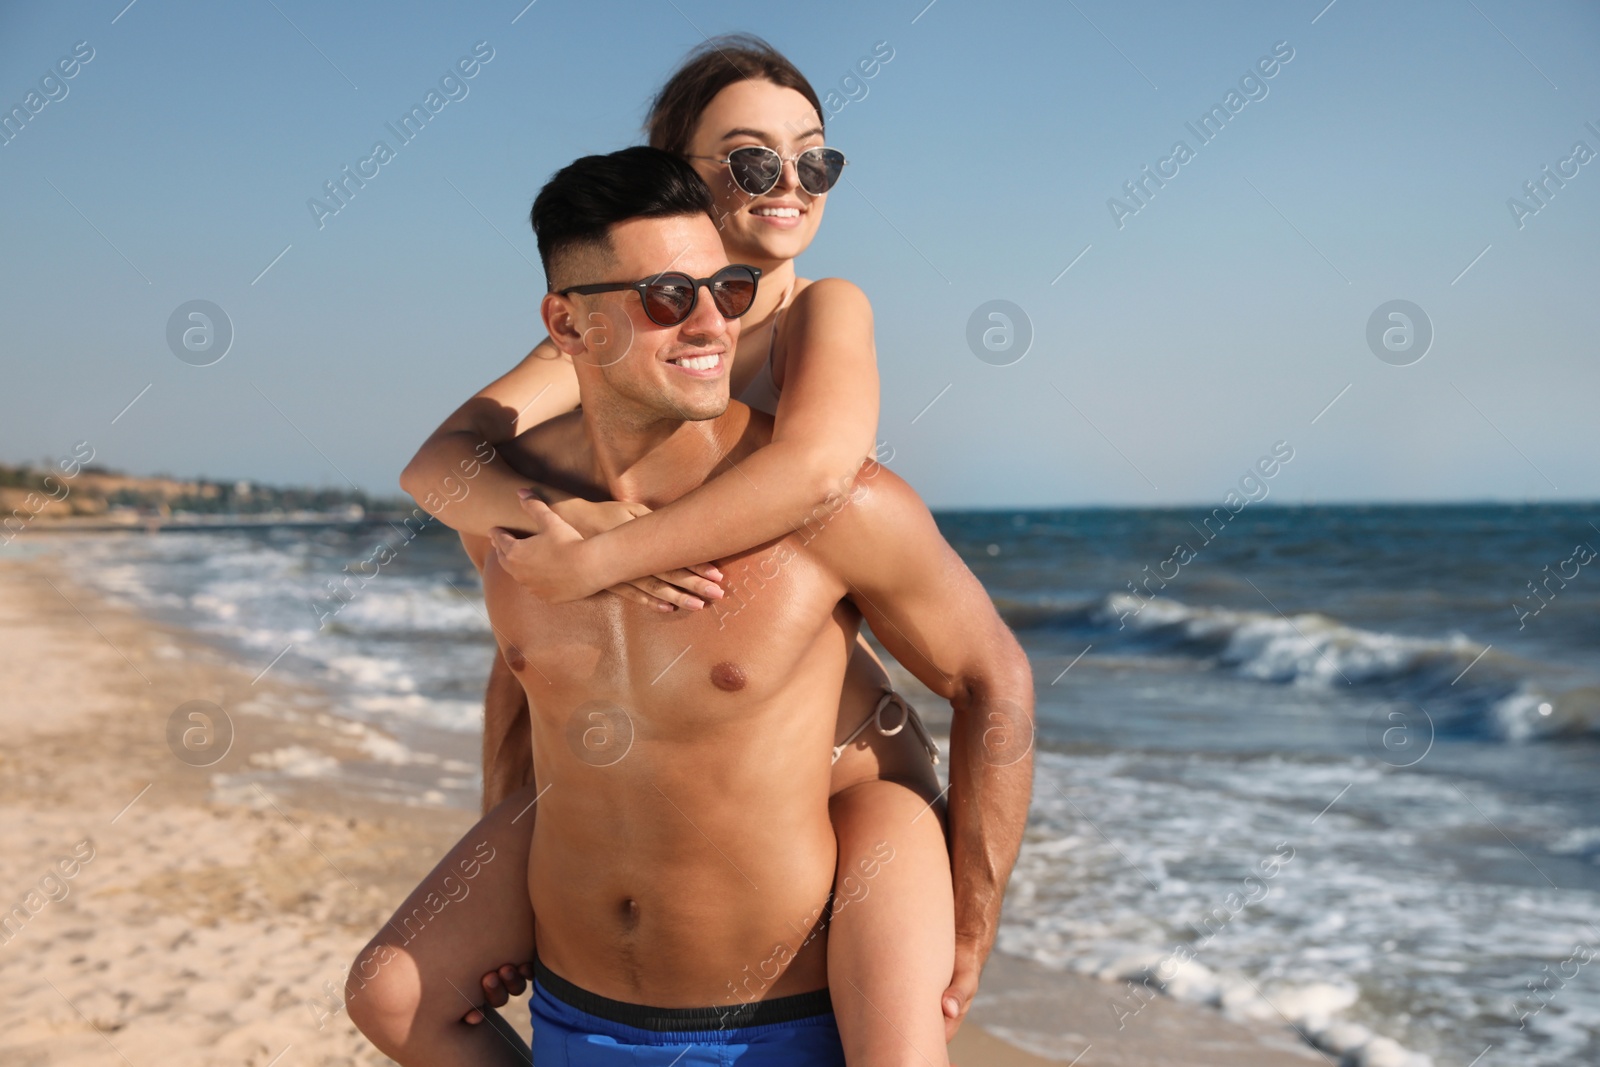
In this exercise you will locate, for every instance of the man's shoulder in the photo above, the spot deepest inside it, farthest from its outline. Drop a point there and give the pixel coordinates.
(874, 508)
(543, 440)
(878, 493)
(547, 452)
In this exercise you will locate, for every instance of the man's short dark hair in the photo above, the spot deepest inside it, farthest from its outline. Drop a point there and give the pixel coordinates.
(578, 206)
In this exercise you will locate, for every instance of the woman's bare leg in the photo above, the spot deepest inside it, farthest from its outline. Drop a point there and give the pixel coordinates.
(408, 989)
(891, 943)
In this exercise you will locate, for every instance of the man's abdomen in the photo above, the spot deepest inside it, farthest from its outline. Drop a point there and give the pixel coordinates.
(673, 909)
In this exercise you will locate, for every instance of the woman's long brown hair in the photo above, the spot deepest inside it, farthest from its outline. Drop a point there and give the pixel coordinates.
(708, 70)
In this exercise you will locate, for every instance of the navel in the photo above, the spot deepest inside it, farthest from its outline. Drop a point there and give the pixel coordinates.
(729, 677)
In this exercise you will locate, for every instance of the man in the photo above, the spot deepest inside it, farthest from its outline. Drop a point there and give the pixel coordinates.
(682, 842)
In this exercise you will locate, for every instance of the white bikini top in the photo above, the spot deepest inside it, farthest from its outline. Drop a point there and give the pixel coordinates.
(761, 392)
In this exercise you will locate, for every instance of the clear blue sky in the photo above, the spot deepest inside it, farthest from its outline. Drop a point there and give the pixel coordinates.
(1221, 317)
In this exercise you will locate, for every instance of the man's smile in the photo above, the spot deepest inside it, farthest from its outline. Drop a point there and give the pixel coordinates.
(707, 365)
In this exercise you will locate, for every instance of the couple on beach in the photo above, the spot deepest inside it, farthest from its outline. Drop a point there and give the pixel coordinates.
(713, 831)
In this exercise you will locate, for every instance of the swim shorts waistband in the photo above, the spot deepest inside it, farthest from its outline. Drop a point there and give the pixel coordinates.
(679, 1020)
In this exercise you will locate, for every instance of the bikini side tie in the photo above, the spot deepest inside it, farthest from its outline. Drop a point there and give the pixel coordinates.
(907, 715)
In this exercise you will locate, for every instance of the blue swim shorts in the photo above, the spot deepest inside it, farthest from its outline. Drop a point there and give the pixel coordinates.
(573, 1027)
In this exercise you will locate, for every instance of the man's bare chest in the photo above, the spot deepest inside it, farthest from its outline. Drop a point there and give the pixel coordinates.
(742, 650)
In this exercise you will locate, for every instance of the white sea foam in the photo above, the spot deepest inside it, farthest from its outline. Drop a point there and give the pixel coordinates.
(1370, 929)
(1067, 1049)
(391, 652)
(1579, 841)
(297, 761)
(459, 715)
(392, 604)
(1306, 649)
(388, 750)
(1315, 651)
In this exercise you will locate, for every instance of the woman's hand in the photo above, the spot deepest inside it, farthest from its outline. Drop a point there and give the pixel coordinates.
(500, 986)
(662, 591)
(552, 564)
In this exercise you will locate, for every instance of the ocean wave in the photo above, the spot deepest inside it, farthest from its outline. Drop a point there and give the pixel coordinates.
(1504, 697)
(1308, 649)
(410, 608)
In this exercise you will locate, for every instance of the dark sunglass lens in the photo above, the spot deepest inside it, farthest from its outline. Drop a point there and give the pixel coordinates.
(818, 169)
(667, 300)
(734, 290)
(755, 169)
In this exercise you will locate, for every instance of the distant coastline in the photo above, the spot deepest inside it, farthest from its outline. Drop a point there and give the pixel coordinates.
(77, 495)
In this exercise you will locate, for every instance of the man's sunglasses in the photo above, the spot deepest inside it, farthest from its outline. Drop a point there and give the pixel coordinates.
(757, 168)
(669, 298)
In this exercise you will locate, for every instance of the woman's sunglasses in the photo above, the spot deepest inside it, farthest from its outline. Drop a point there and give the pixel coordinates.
(757, 168)
(669, 298)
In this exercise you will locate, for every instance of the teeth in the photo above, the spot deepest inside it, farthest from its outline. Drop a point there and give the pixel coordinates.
(697, 362)
(778, 212)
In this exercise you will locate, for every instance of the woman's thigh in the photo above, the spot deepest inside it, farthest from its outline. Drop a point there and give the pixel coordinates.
(422, 971)
(891, 941)
(891, 938)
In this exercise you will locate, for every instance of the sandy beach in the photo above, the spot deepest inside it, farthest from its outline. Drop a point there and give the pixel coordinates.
(196, 932)
(177, 914)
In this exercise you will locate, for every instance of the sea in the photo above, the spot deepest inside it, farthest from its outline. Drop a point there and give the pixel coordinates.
(1330, 767)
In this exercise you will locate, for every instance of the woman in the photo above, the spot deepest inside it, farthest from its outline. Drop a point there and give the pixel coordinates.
(751, 124)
